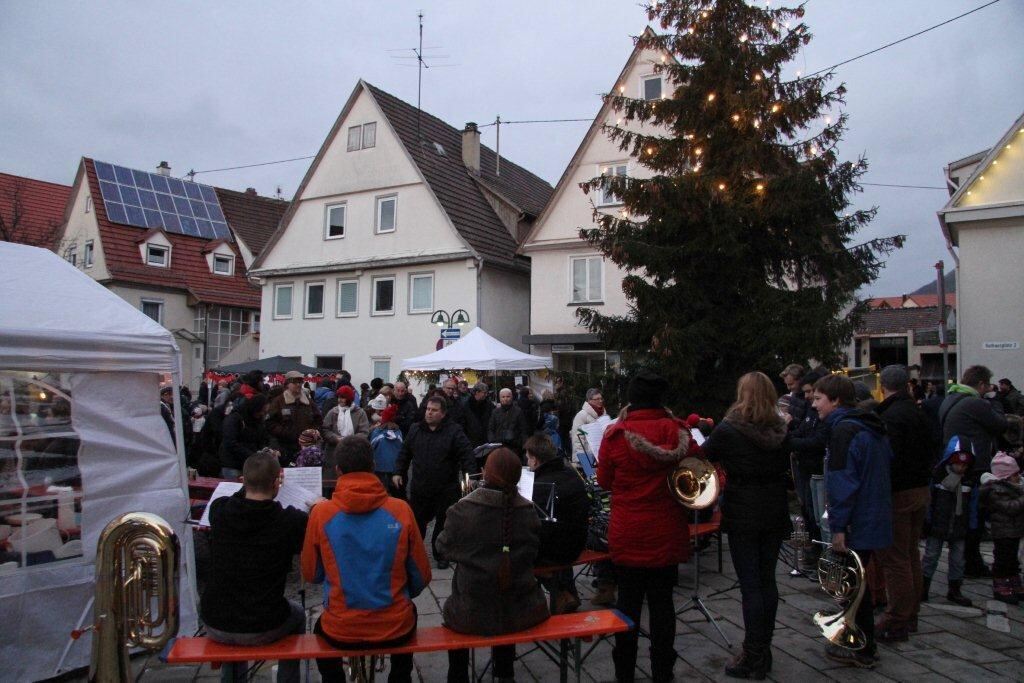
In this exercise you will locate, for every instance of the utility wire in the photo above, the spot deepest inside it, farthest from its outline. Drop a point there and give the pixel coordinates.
(536, 121)
(235, 168)
(912, 187)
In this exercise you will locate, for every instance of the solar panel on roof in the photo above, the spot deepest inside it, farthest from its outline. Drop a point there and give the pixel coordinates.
(150, 200)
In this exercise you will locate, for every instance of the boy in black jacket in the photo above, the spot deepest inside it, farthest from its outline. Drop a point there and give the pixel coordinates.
(948, 513)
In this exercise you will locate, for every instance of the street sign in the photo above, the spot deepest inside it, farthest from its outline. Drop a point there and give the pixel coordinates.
(452, 333)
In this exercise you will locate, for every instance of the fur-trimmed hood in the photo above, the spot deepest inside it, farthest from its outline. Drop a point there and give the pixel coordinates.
(766, 436)
(642, 445)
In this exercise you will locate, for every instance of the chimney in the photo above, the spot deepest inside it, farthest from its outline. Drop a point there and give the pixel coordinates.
(471, 147)
(163, 168)
(251, 191)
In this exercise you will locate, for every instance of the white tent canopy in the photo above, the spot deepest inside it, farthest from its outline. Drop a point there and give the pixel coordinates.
(61, 329)
(476, 351)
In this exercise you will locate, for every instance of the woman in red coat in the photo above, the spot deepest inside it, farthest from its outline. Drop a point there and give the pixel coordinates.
(648, 535)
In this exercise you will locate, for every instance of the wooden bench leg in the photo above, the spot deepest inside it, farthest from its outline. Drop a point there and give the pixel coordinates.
(563, 661)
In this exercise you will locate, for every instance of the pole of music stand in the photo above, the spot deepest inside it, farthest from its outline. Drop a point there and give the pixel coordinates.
(695, 601)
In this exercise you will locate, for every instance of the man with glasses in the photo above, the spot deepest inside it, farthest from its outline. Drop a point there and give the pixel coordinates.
(592, 409)
(972, 411)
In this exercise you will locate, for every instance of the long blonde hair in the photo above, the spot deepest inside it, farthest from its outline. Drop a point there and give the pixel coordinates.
(755, 400)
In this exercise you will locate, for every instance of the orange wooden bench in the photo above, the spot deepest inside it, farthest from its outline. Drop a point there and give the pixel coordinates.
(568, 629)
(587, 557)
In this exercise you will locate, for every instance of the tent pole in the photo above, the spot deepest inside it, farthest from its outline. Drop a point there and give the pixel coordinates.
(179, 446)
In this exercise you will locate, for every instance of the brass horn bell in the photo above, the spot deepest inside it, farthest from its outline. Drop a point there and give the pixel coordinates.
(694, 483)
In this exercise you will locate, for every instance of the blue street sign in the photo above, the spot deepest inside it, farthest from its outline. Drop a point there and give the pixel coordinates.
(451, 333)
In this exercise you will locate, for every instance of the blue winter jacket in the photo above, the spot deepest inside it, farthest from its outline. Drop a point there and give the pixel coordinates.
(857, 466)
(387, 443)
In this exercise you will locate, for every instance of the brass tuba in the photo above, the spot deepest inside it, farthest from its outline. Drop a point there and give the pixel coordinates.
(842, 576)
(136, 593)
(694, 483)
(468, 482)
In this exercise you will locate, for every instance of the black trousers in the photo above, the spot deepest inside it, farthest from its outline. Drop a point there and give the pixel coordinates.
(503, 658)
(654, 584)
(433, 506)
(333, 670)
(754, 557)
(865, 617)
(1005, 563)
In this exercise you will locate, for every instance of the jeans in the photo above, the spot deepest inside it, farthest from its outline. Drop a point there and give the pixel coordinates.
(503, 658)
(754, 557)
(932, 551)
(655, 584)
(433, 507)
(230, 473)
(901, 562)
(287, 670)
(333, 670)
(802, 484)
(1005, 564)
(818, 502)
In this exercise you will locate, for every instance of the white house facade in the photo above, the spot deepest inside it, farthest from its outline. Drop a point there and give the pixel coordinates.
(983, 223)
(400, 215)
(568, 273)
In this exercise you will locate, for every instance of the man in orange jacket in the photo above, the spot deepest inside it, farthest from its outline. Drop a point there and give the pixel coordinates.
(368, 549)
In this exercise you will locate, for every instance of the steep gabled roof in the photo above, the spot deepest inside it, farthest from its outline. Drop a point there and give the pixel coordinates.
(899, 320)
(251, 217)
(41, 206)
(189, 270)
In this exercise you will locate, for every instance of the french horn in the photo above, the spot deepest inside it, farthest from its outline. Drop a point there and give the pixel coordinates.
(842, 576)
(694, 483)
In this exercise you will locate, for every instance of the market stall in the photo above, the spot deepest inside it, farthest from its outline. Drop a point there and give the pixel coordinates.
(477, 351)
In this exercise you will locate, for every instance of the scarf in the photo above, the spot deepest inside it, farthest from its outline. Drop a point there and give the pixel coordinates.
(345, 427)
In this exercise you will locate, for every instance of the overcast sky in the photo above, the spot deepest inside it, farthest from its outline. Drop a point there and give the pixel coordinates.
(205, 85)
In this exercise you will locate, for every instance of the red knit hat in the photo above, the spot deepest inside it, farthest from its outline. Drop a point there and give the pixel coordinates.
(348, 393)
(389, 414)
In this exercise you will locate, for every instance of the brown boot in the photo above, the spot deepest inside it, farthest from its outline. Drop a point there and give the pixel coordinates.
(749, 663)
(605, 596)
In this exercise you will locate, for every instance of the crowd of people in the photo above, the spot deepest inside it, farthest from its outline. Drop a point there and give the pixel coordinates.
(871, 476)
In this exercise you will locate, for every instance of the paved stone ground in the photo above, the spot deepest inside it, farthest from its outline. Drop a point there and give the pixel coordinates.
(954, 643)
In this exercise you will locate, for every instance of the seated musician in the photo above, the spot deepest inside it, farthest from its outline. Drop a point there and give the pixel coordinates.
(563, 538)
(252, 541)
(492, 535)
(368, 601)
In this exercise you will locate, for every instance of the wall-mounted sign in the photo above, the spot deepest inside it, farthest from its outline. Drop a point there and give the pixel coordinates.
(1000, 346)
(452, 333)
(562, 348)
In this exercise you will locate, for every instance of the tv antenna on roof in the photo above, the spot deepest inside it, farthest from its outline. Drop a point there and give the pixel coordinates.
(421, 64)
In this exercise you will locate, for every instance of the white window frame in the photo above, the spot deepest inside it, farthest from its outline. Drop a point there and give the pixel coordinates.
(88, 254)
(158, 247)
(327, 220)
(359, 143)
(71, 255)
(305, 298)
(88, 204)
(380, 199)
(337, 288)
(610, 168)
(586, 300)
(420, 276)
(643, 86)
(197, 351)
(380, 359)
(291, 301)
(373, 295)
(230, 261)
(372, 126)
(157, 302)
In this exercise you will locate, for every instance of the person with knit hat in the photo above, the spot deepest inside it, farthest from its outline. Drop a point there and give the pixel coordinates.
(386, 440)
(493, 536)
(948, 513)
(1003, 498)
(289, 414)
(648, 534)
(345, 419)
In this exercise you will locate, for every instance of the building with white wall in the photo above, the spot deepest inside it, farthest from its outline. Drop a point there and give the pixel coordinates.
(399, 215)
(568, 273)
(983, 223)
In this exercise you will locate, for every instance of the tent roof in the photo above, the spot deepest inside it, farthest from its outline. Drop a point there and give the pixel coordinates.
(272, 366)
(477, 351)
(54, 317)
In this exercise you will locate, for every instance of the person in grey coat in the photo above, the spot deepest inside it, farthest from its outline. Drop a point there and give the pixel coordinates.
(507, 425)
(493, 536)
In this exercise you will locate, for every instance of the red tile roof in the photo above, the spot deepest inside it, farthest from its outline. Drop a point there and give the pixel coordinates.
(189, 269)
(41, 208)
(251, 217)
(899, 320)
(912, 299)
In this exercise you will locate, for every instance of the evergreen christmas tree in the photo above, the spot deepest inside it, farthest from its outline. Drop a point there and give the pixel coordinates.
(739, 249)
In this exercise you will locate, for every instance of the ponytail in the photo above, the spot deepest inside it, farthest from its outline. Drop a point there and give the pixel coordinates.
(505, 567)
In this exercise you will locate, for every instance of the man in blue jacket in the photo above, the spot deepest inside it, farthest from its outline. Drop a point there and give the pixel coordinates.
(857, 469)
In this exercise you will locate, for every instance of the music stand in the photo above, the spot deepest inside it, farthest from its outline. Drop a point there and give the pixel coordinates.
(695, 601)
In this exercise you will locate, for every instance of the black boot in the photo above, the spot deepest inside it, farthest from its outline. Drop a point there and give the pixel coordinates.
(925, 588)
(749, 663)
(955, 596)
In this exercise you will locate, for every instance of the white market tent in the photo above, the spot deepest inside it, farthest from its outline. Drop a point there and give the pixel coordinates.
(477, 351)
(108, 359)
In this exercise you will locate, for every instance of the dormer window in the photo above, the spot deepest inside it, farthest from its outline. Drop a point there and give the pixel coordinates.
(223, 265)
(157, 255)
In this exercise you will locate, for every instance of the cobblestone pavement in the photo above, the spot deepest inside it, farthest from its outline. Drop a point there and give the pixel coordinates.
(982, 643)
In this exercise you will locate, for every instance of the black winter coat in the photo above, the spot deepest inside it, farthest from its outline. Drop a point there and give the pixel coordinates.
(911, 438)
(755, 499)
(435, 456)
(406, 416)
(808, 441)
(1005, 504)
(476, 415)
(978, 420)
(508, 426)
(944, 522)
(562, 541)
(240, 440)
(472, 539)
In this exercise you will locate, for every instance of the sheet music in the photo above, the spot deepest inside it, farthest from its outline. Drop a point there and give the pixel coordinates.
(526, 484)
(697, 436)
(225, 488)
(292, 494)
(309, 478)
(595, 433)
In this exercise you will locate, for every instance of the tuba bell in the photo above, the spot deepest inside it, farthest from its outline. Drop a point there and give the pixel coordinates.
(842, 576)
(694, 483)
(136, 593)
